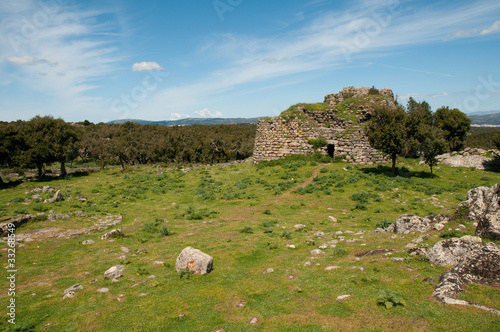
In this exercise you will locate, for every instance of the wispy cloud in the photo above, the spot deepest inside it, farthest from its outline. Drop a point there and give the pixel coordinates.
(423, 95)
(73, 60)
(29, 60)
(494, 28)
(417, 70)
(371, 29)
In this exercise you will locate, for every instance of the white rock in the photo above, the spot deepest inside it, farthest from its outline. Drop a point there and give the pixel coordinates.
(438, 226)
(317, 252)
(88, 242)
(342, 297)
(269, 270)
(103, 290)
(330, 268)
(332, 219)
(114, 272)
(195, 260)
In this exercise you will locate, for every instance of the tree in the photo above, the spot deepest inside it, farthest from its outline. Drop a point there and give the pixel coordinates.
(432, 145)
(64, 139)
(455, 125)
(418, 120)
(48, 140)
(386, 131)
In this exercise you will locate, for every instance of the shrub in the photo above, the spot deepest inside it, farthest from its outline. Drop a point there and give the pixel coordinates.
(269, 223)
(164, 231)
(339, 251)
(390, 298)
(141, 271)
(150, 227)
(247, 229)
(449, 234)
(373, 91)
(268, 212)
(269, 230)
(286, 235)
(462, 212)
(40, 208)
(384, 224)
(318, 143)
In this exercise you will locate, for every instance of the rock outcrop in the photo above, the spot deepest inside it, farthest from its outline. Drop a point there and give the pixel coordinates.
(484, 208)
(478, 162)
(451, 251)
(194, 260)
(481, 265)
(409, 223)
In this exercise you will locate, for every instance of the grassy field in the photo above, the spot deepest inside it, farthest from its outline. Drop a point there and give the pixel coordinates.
(244, 216)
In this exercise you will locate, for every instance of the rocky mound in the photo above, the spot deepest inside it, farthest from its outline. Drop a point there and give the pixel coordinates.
(478, 162)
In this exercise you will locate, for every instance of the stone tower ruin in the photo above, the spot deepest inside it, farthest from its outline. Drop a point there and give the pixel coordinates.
(339, 123)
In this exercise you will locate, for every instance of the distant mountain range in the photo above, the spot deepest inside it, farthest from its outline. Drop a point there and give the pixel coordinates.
(191, 121)
(491, 118)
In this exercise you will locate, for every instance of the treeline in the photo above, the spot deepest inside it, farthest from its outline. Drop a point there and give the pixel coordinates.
(483, 137)
(43, 141)
(417, 131)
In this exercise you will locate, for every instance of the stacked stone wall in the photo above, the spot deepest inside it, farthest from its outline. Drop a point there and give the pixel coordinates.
(277, 138)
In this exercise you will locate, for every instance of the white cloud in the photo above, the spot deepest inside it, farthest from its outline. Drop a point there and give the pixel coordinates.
(29, 60)
(205, 113)
(146, 66)
(494, 28)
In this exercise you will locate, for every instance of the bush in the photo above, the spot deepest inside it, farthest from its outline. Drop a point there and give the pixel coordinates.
(373, 91)
(247, 229)
(462, 212)
(449, 234)
(164, 231)
(318, 143)
(384, 224)
(390, 298)
(40, 208)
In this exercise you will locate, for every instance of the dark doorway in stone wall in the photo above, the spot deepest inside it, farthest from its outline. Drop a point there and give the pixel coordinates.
(330, 149)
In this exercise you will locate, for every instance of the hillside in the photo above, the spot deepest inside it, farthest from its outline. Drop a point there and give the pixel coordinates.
(191, 121)
(260, 224)
(485, 119)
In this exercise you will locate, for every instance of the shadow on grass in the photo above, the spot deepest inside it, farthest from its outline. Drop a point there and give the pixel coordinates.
(400, 171)
(49, 177)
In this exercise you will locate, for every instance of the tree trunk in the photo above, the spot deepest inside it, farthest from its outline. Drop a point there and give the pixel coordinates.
(63, 169)
(393, 171)
(431, 170)
(41, 170)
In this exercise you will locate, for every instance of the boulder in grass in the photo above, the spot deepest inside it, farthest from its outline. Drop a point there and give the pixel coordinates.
(114, 272)
(194, 260)
(57, 197)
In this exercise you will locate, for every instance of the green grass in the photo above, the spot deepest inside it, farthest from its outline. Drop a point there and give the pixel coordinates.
(166, 210)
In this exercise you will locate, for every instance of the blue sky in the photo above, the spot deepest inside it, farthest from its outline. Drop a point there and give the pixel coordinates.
(161, 60)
